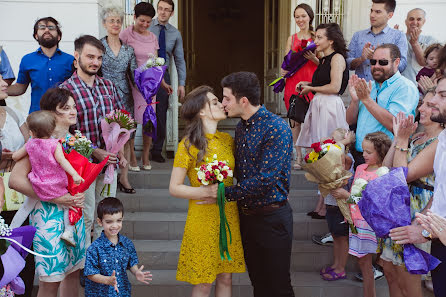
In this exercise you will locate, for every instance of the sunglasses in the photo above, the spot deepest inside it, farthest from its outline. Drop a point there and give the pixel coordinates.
(380, 62)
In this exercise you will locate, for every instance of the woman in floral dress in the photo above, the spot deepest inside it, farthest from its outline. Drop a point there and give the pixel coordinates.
(199, 262)
(421, 178)
(48, 217)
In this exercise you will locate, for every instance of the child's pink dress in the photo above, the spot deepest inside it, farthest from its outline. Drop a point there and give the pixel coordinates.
(47, 177)
(365, 241)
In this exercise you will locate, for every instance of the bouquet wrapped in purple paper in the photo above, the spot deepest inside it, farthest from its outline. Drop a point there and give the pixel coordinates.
(292, 62)
(148, 78)
(385, 205)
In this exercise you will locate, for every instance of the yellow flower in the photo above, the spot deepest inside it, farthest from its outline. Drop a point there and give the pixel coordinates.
(313, 156)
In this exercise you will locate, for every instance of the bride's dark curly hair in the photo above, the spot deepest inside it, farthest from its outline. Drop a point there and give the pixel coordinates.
(194, 134)
(334, 33)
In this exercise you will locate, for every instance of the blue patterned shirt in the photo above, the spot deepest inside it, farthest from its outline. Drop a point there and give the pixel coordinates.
(102, 258)
(43, 72)
(387, 35)
(263, 152)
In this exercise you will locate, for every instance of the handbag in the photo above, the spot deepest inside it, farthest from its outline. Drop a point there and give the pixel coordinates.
(299, 105)
(13, 199)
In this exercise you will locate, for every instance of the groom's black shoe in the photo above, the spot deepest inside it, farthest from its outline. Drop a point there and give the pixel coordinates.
(157, 158)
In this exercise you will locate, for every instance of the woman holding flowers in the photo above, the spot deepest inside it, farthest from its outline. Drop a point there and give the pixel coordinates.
(326, 112)
(144, 43)
(200, 263)
(48, 217)
(417, 153)
(303, 16)
(118, 65)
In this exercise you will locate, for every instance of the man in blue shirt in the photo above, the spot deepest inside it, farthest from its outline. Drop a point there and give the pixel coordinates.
(171, 45)
(263, 153)
(364, 42)
(45, 68)
(374, 104)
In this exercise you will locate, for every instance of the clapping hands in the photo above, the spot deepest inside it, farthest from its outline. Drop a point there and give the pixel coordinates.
(435, 224)
(404, 127)
(143, 276)
(359, 89)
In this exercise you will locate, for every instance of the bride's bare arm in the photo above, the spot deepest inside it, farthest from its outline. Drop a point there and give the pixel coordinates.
(19, 181)
(178, 189)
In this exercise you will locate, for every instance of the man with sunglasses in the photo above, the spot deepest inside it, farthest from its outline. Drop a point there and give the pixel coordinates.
(374, 104)
(364, 42)
(45, 68)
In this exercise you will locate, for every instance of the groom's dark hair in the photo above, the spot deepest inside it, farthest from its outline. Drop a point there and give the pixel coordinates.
(243, 84)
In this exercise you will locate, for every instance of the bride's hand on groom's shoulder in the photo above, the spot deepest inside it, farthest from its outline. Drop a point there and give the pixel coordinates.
(209, 194)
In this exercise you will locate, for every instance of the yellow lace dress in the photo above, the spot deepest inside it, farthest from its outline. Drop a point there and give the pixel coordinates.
(199, 260)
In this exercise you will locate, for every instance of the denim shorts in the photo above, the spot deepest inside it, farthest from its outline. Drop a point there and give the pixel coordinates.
(335, 221)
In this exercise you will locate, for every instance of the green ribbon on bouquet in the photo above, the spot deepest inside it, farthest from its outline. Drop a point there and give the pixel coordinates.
(223, 238)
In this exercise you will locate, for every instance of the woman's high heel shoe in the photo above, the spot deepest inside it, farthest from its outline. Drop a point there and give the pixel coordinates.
(124, 189)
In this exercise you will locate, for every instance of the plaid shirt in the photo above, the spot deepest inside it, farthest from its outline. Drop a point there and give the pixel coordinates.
(92, 104)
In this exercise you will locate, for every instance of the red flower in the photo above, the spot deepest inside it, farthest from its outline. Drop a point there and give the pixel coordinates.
(303, 43)
(125, 112)
(329, 141)
(306, 158)
(316, 147)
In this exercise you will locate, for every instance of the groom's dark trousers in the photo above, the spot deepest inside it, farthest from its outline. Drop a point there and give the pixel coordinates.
(267, 240)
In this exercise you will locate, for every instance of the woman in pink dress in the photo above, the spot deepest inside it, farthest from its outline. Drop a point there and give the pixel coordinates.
(144, 43)
(303, 15)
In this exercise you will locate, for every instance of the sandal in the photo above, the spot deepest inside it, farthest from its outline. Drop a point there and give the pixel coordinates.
(297, 166)
(333, 275)
(325, 270)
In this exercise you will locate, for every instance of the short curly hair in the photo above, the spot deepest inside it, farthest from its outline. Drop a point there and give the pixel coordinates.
(381, 142)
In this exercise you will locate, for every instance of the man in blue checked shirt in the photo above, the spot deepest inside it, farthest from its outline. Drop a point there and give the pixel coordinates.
(364, 42)
(263, 154)
(45, 68)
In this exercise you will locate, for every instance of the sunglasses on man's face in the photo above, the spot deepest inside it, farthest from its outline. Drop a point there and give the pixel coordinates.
(380, 62)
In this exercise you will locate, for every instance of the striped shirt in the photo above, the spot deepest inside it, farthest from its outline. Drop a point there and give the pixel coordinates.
(387, 35)
(92, 104)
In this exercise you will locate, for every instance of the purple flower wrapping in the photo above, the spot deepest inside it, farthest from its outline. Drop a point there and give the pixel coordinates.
(292, 62)
(148, 81)
(385, 205)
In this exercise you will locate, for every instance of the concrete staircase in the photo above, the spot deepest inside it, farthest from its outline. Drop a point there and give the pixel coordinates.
(155, 221)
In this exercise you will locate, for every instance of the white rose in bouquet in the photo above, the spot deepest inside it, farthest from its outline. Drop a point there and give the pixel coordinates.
(160, 61)
(356, 190)
(382, 171)
(150, 63)
(360, 182)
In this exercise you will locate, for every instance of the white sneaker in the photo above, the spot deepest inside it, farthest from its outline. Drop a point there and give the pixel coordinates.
(377, 274)
(68, 238)
(326, 239)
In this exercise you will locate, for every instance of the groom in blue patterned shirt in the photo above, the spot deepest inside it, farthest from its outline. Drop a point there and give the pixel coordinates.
(263, 153)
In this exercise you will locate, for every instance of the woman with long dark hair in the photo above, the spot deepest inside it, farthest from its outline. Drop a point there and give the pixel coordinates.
(199, 262)
(326, 112)
(303, 16)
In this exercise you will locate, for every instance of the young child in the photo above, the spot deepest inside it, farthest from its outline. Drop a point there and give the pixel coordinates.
(363, 244)
(335, 220)
(111, 255)
(48, 164)
(431, 58)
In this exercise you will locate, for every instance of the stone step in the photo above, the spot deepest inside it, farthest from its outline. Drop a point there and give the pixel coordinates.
(305, 284)
(306, 256)
(159, 200)
(170, 226)
(159, 178)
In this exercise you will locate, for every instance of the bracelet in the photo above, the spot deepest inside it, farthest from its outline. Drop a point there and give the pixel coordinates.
(401, 149)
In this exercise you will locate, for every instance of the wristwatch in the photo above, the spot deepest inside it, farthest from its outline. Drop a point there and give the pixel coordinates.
(426, 234)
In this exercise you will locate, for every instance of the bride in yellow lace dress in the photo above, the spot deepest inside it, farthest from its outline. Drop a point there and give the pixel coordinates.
(199, 262)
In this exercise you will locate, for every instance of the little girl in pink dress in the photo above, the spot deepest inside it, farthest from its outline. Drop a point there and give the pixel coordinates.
(49, 167)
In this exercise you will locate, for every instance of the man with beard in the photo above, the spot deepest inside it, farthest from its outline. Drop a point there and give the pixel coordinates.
(374, 104)
(95, 97)
(45, 68)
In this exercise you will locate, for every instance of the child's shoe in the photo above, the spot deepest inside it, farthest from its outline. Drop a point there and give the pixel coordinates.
(68, 237)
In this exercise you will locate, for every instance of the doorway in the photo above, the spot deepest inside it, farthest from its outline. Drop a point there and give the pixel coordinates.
(220, 37)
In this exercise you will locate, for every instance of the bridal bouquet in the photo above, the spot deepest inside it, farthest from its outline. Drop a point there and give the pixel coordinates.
(292, 62)
(148, 78)
(116, 129)
(215, 171)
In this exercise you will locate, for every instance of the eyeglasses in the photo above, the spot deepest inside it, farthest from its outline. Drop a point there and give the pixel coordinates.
(118, 22)
(380, 62)
(50, 27)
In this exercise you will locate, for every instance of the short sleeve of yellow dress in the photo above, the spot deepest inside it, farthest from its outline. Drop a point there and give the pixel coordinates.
(199, 261)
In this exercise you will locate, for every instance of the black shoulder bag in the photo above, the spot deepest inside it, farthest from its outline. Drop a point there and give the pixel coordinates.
(298, 108)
